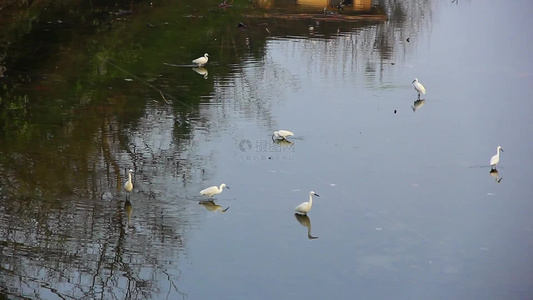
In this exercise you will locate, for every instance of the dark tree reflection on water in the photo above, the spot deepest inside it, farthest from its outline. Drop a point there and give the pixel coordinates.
(66, 143)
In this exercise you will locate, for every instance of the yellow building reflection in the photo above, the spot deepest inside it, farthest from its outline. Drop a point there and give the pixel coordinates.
(346, 4)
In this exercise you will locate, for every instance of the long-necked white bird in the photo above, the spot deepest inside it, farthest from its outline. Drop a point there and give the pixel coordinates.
(305, 207)
(419, 87)
(496, 158)
(128, 186)
(213, 190)
(200, 61)
(284, 134)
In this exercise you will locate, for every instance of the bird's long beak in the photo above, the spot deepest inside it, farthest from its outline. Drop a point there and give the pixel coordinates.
(502, 149)
(317, 195)
(227, 187)
(413, 81)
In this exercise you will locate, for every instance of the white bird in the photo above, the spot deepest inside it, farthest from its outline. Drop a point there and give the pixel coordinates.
(282, 134)
(213, 190)
(305, 207)
(128, 186)
(496, 158)
(200, 61)
(419, 87)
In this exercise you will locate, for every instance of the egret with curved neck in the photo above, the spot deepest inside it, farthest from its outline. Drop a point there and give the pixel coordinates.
(284, 134)
(213, 190)
(305, 207)
(496, 158)
(128, 186)
(419, 87)
(200, 61)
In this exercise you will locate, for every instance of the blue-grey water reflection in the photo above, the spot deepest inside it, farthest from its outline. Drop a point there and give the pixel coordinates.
(406, 208)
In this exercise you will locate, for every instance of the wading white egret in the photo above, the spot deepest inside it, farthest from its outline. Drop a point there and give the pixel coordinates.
(213, 190)
(496, 158)
(420, 89)
(305, 207)
(200, 61)
(282, 134)
(128, 186)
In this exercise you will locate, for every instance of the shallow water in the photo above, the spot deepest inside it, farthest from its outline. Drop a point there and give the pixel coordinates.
(407, 207)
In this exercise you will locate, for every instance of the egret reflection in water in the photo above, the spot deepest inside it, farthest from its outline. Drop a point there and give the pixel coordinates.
(494, 173)
(283, 142)
(201, 71)
(417, 104)
(305, 221)
(212, 206)
(128, 208)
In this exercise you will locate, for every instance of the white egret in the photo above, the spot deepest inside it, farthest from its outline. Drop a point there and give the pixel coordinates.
(128, 186)
(282, 134)
(419, 87)
(200, 61)
(305, 207)
(496, 158)
(213, 190)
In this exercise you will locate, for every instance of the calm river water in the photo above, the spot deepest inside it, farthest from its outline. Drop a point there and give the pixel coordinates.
(407, 210)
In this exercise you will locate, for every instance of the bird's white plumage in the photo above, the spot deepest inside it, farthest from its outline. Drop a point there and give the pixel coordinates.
(200, 61)
(213, 190)
(282, 134)
(496, 158)
(305, 207)
(128, 186)
(419, 87)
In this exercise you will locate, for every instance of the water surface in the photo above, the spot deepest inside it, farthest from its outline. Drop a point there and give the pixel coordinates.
(407, 206)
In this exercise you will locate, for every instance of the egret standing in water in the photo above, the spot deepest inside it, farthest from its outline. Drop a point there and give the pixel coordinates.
(496, 158)
(305, 207)
(213, 190)
(420, 89)
(200, 61)
(282, 134)
(128, 186)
